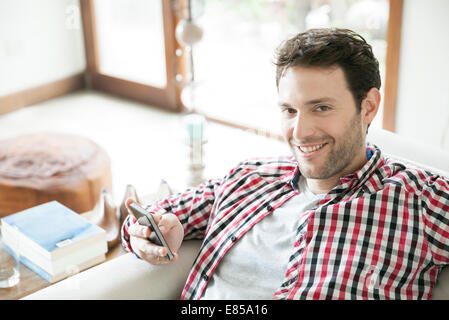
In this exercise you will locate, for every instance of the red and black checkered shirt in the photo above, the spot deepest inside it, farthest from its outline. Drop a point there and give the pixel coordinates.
(381, 233)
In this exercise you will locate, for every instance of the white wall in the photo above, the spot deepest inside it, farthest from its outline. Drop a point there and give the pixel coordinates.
(423, 89)
(40, 42)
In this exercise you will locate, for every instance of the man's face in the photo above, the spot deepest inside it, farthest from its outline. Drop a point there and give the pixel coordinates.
(320, 122)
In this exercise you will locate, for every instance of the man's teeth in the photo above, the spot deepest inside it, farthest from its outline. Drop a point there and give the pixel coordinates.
(311, 149)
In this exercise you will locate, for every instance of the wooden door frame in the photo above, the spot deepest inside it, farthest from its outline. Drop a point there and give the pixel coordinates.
(168, 97)
(392, 65)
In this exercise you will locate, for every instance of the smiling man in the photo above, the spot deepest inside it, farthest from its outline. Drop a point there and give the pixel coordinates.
(336, 220)
(322, 124)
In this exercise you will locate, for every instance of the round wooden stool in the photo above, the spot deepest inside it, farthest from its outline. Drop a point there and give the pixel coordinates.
(37, 168)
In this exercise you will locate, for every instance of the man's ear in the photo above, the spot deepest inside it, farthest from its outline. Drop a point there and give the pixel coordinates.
(370, 106)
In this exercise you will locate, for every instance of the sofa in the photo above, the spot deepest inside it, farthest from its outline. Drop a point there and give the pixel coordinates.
(127, 277)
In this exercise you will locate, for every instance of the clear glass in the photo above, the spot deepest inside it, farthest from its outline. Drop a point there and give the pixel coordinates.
(195, 139)
(130, 38)
(9, 265)
(234, 60)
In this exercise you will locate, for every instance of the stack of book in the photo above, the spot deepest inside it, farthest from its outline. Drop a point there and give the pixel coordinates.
(54, 241)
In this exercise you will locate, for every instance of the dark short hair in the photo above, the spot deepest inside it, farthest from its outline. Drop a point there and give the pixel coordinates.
(329, 47)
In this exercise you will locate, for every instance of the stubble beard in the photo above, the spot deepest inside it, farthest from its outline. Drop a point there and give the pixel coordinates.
(340, 157)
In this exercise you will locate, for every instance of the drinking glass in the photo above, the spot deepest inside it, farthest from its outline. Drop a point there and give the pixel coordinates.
(9, 265)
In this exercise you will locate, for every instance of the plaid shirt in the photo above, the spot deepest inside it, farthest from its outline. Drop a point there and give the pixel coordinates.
(381, 233)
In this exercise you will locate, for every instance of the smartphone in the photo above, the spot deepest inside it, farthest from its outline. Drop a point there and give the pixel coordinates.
(146, 219)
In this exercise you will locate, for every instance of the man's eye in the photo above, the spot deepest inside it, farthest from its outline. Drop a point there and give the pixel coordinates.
(289, 110)
(322, 108)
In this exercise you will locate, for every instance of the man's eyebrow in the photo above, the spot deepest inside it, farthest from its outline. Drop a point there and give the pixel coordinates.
(320, 100)
(310, 102)
(284, 104)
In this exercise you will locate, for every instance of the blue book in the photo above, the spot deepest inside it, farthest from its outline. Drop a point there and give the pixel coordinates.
(53, 240)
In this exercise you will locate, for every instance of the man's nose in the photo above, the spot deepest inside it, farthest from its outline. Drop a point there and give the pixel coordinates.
(303, 127)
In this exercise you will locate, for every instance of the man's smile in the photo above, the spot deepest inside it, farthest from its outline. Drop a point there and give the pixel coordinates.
(309, 151)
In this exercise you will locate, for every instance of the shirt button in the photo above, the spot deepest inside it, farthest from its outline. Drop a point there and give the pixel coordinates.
(269, 208)
(205, 277)
(233, 238)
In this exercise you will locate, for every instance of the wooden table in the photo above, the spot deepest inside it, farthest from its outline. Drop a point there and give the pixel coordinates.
(31, 282)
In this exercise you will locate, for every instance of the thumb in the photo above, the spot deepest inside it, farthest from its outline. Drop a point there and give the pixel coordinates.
(167, 222)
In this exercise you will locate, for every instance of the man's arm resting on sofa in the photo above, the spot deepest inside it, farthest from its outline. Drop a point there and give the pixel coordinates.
(126, 277)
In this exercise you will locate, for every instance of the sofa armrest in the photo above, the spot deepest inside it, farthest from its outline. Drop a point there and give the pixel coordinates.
(126, 277)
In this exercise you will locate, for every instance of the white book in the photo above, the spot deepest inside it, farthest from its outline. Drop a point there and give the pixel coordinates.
(52, 240)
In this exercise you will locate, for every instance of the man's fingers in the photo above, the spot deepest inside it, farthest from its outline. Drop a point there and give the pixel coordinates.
(150, 252)
(159, 260)
(145, 249)
(164, 260)
(138, 230)
(154, 250)
(148, 248)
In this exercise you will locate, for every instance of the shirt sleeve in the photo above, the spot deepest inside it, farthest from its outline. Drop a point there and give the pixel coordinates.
(193, 208)
(435, 204)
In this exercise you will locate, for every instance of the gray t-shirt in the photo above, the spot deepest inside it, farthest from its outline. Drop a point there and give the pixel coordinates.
(255, 266)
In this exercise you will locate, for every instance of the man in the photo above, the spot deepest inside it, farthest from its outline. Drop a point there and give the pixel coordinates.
(336, 220)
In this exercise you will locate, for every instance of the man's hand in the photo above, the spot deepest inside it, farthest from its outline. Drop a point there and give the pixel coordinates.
(171, 229)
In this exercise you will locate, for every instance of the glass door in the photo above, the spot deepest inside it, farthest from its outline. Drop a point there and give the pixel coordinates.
(130, 49)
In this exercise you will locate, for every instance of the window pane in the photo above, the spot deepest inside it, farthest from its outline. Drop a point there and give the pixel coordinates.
(234, 60)
(131, 40)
